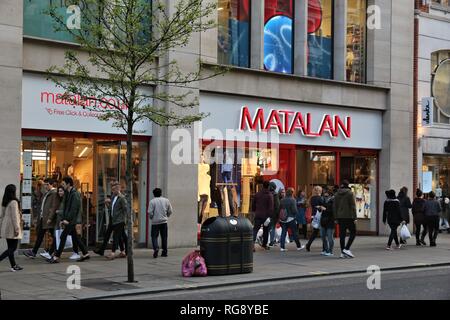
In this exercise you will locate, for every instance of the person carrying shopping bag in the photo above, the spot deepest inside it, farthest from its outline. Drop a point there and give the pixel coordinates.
(288, 211)
(393, 216)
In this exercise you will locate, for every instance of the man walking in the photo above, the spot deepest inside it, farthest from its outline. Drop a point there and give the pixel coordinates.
(263, 207)
(46, 220)
(117, 213)
(160, 210)
(344, 208)
(69, 220)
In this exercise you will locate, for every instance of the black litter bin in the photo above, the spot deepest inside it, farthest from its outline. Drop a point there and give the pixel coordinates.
(226, 244)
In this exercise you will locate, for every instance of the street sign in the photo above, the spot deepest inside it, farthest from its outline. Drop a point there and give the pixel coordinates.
(427, 111)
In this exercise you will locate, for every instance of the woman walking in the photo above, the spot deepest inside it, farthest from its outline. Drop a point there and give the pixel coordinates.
(317, 203)
(11, 225)
(418, 211)
(289, 206)
(432, 212)
(405, 205)
(327, 225)
(393, 216)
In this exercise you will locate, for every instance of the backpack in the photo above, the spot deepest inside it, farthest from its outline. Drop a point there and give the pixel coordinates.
(194, 265)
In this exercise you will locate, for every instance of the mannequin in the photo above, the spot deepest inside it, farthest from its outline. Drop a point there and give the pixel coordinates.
(204, 191)
(227, 168)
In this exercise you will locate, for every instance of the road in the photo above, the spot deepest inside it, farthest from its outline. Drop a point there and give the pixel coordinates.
(412, 284)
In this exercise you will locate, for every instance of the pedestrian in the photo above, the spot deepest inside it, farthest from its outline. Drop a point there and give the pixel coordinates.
(160, 210)
(301, 212)
(405, 205)
(277, 196)
(289, 205)
(344, 209)
(432, 212)
(445, 216)
(327, 224)
(69, 220)
(36, 200)
(263, 207)
(11, 225)
(392, 214)
(418, 212)
(119, 209)
(317, 203)
(46, 221)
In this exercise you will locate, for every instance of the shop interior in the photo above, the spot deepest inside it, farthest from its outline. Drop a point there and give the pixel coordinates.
(93, 165)
(229, 178)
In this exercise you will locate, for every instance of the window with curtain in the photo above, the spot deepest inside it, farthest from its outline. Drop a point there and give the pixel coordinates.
(278, 35)
(356, 41)
(233, 43)
(320, 38)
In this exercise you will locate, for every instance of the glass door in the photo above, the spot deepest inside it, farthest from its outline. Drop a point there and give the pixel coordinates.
(107, 170)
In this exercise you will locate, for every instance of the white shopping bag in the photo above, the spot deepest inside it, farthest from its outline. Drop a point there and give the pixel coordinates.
(58, 233)
(404, 233)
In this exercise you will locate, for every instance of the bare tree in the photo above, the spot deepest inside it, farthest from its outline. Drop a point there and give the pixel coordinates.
(121, 48)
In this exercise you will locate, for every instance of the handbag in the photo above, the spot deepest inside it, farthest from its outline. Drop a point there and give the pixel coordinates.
(316, 220)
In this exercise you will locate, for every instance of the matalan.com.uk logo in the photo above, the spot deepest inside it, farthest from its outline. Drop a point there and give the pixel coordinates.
(80, 101)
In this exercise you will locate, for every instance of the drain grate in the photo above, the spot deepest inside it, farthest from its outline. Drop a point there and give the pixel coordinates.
(106, 285)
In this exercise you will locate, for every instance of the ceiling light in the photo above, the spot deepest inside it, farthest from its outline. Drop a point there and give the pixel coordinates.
(82, 152)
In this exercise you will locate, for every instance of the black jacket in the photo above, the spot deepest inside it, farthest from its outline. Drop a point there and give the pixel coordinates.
(405, 205)
(327, 219)
(72, 207)
(418, 210)
(316, 201)
(391, 212)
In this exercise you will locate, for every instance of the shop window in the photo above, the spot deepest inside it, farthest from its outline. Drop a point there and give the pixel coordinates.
(278, 35)
(233, 45)
(361, 172)
(356, 41)
(440, 85)
(439, 166)
(320, 38)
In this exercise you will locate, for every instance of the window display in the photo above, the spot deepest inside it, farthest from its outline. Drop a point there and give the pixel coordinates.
(356, 41)
(439, 166)
(233, 32)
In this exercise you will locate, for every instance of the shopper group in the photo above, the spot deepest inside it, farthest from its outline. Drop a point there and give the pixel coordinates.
(282, 208)
(58, 211)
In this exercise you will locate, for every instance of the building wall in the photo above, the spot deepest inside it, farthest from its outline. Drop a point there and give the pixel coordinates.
(11, 93)
(434, 35)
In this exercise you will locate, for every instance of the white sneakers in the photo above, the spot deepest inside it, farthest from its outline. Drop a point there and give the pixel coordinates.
(75, 256)
(45, 255)
(301, 248)
(283, 250)
(348, 253)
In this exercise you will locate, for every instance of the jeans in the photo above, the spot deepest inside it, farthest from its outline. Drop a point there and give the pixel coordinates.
(12, 247)
(272, 229)
(284, 227)
(443, 224)
(40, 237)
(424, 232)
(119, 234)
(393, 235)
(304, 230)
(327, 239)
(70, 230)
(433, 228)
(158, 229)
(258, 223)
(314, 235)
(344, 225)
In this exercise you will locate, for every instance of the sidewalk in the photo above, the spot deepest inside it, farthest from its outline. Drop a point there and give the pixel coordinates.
(103, 278)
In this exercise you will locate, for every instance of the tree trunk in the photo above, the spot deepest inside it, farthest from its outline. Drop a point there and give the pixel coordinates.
(129, 195)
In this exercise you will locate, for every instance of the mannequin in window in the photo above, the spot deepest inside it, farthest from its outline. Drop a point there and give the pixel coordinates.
(227, 168)
(204, 191)
(70, 171)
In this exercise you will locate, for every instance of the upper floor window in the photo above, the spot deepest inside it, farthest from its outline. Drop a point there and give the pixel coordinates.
(233, 44)
(442, 3)
(440, 85)
(320, 38)
(356, 41)
(37, 22)
(278, 35)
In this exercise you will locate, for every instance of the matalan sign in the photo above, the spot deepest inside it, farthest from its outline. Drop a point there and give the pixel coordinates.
(427, 111)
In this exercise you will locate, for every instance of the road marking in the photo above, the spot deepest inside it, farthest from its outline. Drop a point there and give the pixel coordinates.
(318, 273)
